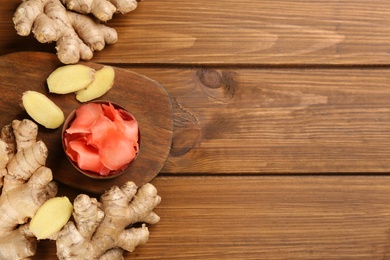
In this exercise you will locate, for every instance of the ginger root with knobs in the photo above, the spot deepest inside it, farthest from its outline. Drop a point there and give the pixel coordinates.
(76, 34)
(29, 209)
(25, 185)
(101, 228)
(101, 9)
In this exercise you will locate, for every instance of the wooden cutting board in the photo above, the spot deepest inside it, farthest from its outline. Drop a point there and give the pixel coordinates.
(145, 98)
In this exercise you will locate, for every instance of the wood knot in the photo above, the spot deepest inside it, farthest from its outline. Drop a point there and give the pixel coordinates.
(220, 85)
(209, 78)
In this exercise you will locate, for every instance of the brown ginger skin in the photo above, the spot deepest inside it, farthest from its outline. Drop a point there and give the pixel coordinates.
(26, 185)
(76, 34)
(100, 228)
(101, 9)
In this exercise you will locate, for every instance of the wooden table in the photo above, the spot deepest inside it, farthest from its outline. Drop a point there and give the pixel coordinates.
(282, 125)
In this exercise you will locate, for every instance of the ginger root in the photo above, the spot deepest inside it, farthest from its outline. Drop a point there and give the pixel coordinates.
(100, 229)
(101, 9)
(25, 185)
(76, 33)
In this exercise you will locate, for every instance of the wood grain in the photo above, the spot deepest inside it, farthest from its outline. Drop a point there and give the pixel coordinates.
(254, 32)
(281, 125)
(145, 98)
(272, 121)
(312, 217)
(248, 32)
(238, 33)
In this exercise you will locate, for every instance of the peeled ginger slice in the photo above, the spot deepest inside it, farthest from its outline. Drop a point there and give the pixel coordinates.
(70, 78)
(51, 217)
(42, 109)
(104, 80)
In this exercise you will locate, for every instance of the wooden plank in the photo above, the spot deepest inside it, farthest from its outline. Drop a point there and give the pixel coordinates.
(241, 33)
(278, 120)
(312, 217)
(252, 32)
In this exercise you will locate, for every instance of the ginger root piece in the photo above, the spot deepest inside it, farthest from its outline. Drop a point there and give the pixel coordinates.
(101, 229)
(104, 80)
(125, 6)
(70, 78)
(101, 9)
(51, 217)
(42, 109)
(77, 35)
(27, 184)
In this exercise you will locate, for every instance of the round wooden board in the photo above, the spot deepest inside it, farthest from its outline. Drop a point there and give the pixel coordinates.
(145, 98)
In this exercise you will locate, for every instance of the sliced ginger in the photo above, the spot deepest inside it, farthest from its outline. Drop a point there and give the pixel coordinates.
(83, 80)
(87, 83)
(104, 80)
(42, 109)
(51, 217)
(70, 78)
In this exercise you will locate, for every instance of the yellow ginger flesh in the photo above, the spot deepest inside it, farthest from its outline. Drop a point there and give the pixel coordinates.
(42, 109)
(51, 217)
(104, 80)
(70, 78)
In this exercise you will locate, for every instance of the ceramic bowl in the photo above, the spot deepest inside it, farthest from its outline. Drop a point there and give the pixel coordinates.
(91, 174)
